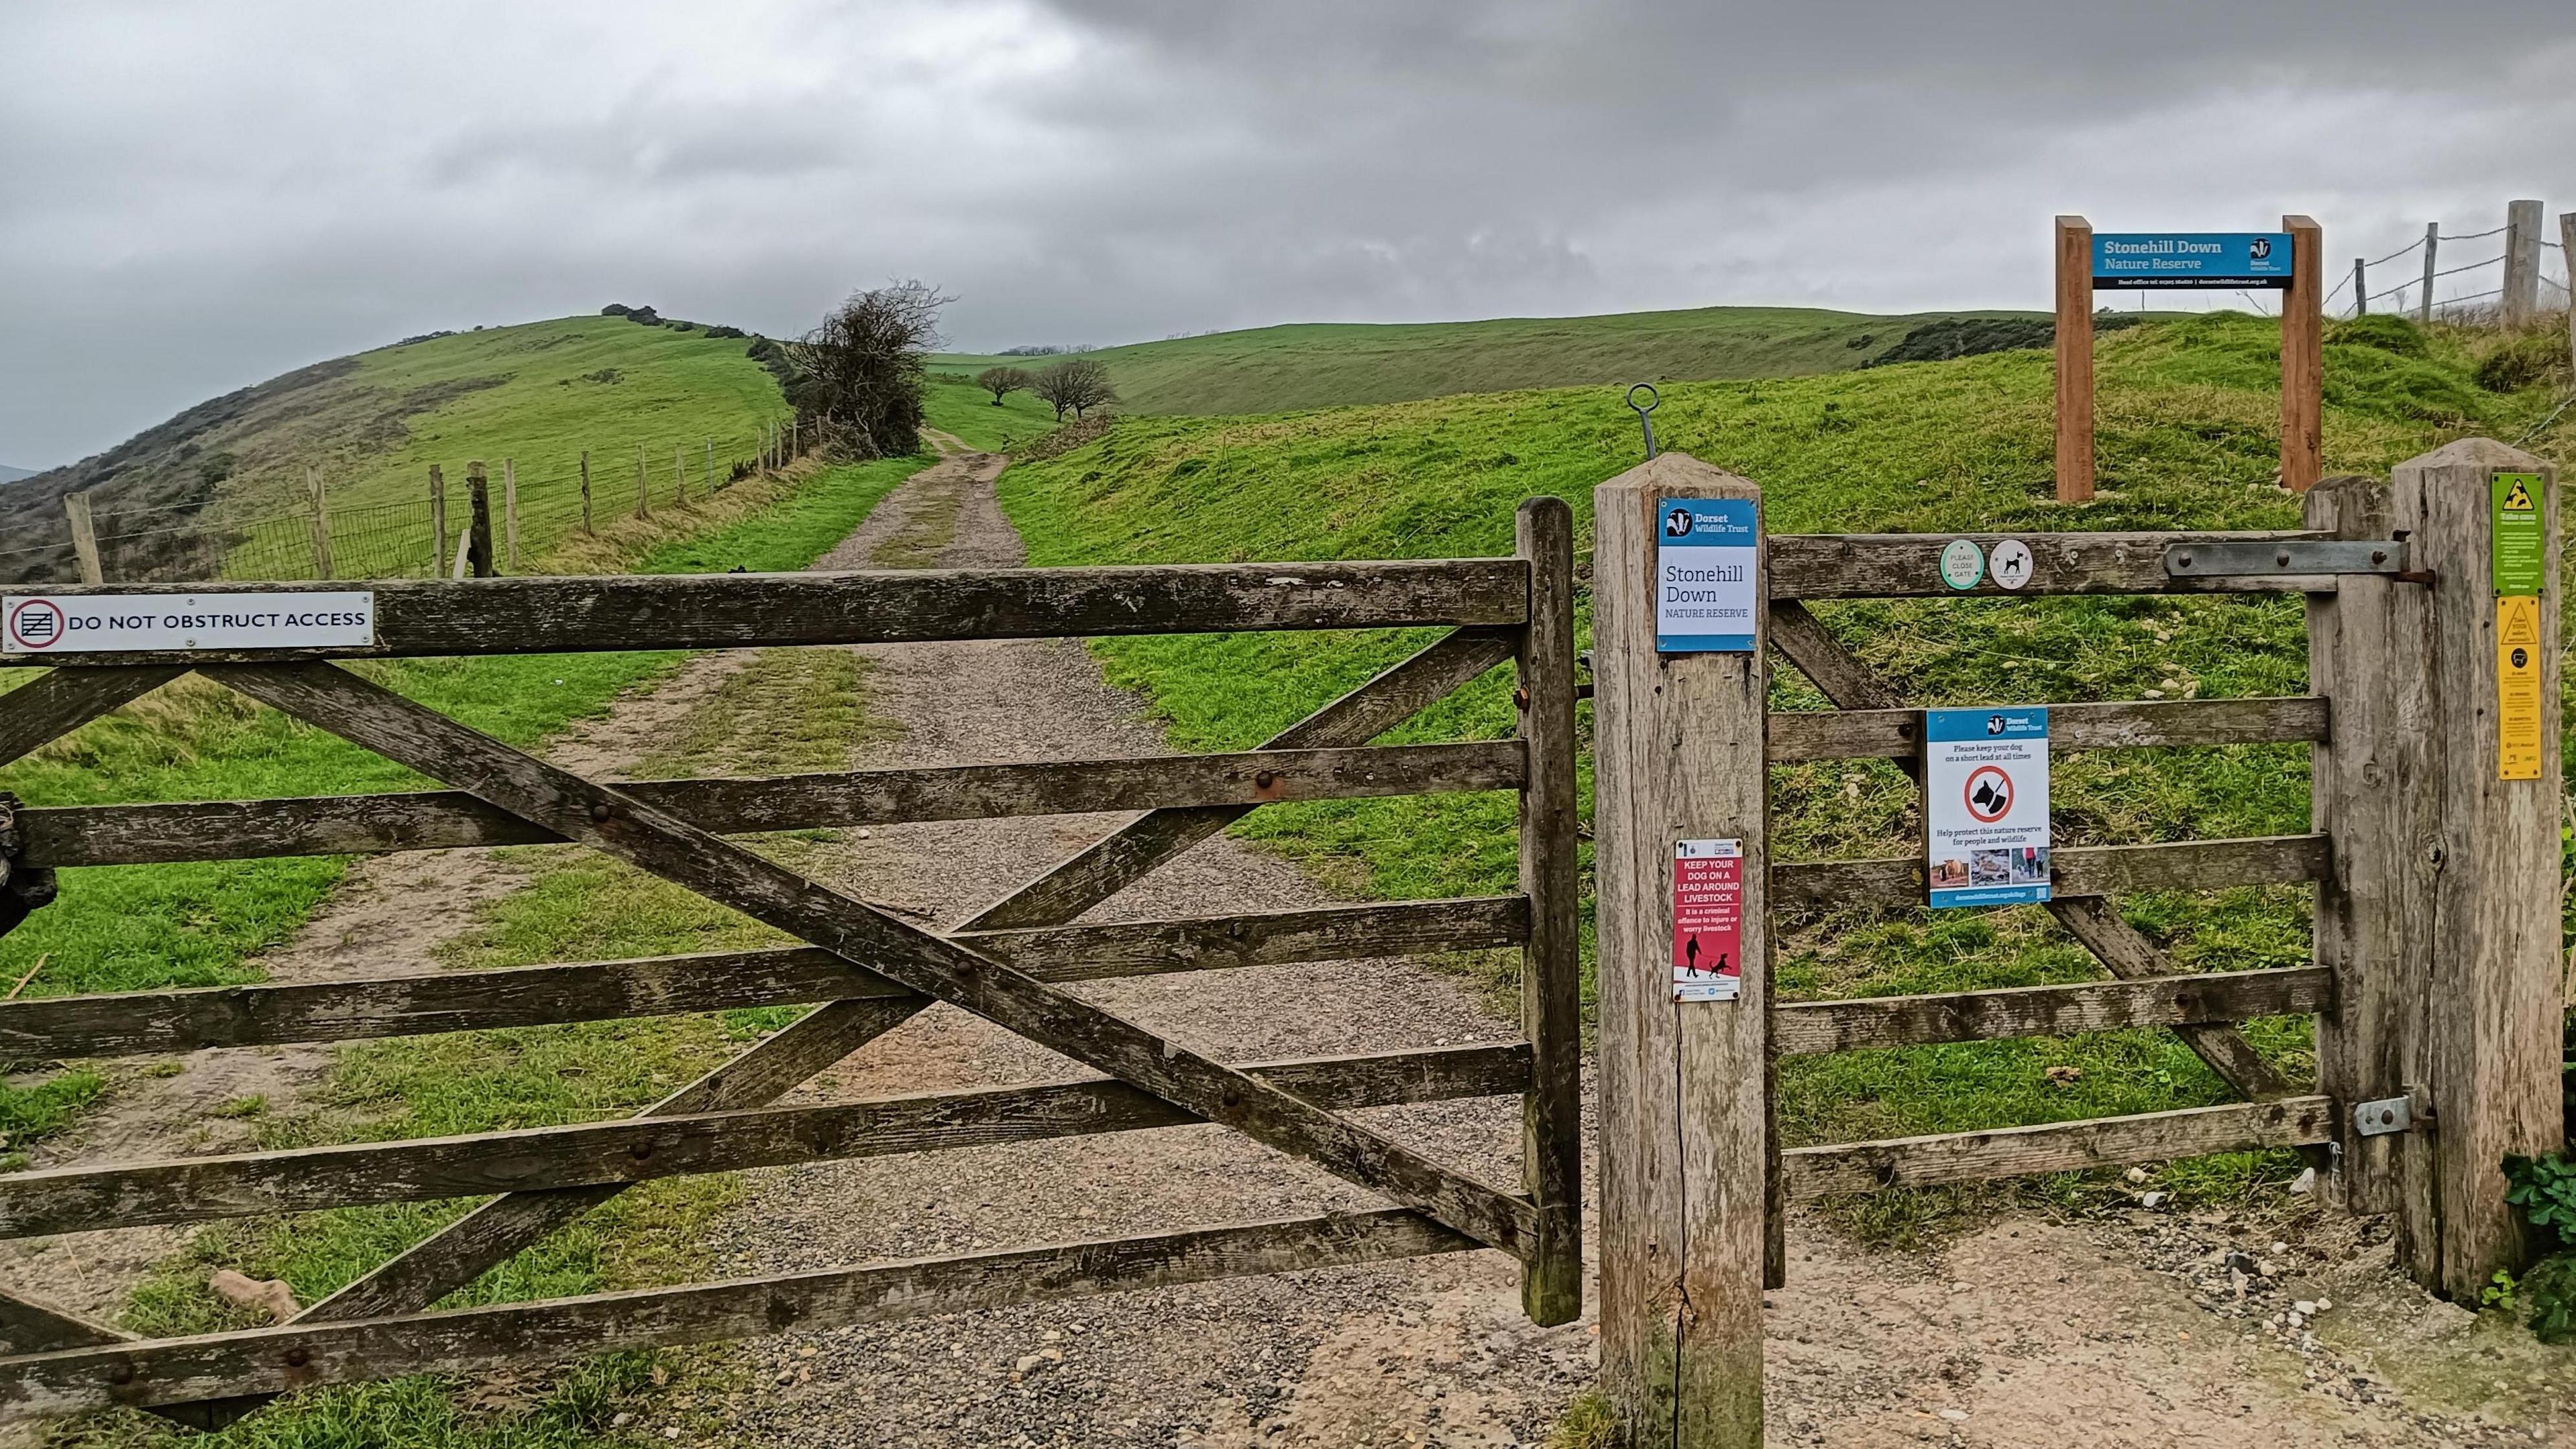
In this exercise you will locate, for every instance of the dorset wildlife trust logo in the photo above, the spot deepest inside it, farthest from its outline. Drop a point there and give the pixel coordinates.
(2260, 249)
(1677, 524)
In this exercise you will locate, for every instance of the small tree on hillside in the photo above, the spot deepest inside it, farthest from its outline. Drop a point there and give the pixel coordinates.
(858, 376)
(1000, 381)
(1078, 383)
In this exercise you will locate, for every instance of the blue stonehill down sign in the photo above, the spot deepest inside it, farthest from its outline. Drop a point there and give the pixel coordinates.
(2124, 259)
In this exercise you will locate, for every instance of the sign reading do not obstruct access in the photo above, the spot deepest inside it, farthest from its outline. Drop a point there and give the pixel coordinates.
(1985, 795)
(180, 623)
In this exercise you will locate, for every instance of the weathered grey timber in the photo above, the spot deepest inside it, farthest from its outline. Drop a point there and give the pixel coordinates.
(1908, 565)
(2091, 870)
(1686, 1180)
(1845, 734)
(311, 1179)
(618, 825)
(1852, 685)
(464, 1249)
(2058, 1146)
(451, 819)
(66, 699)
(1552, 961)
(163, 1022)
(2497, 994)
(518, 1336)
(1812, 1028)
(2375, 788)
(744, 611)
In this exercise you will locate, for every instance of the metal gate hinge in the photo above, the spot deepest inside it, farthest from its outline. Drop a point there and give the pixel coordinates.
(2386, 1115)
(2290, 556)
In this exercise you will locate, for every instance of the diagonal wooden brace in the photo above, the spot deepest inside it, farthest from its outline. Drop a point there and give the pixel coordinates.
(492, 1233)
(618, 825)
(1850, 683)
(65, 699)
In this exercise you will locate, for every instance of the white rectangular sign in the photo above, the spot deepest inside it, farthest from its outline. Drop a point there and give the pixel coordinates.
(38, 624)
(1985, 796)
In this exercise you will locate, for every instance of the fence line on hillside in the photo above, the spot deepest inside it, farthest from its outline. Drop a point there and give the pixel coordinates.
(2514, 282)
(533, 510)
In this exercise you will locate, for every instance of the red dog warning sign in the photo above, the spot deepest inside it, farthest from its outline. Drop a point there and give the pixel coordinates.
(1708, 920)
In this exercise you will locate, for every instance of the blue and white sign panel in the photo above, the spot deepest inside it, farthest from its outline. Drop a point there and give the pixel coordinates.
(2190, 259)
(1985, 797)
(1708, 555)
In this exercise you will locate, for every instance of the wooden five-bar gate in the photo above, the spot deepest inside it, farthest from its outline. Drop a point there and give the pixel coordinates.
(2433, 852)
(1009, 964)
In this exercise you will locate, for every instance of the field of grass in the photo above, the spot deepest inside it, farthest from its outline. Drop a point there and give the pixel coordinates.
(2187, 436)
(1332, 364)
(967, 412)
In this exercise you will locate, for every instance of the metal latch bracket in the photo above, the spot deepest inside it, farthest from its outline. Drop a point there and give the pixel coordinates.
(2289, 556)
(2386, 1115)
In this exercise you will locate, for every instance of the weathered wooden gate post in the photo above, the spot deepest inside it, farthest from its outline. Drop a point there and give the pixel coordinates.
(1685, 1119)
(2440, 787)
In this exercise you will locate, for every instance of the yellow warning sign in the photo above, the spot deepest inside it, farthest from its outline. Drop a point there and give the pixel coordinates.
(2518, 712)
(2517, 495)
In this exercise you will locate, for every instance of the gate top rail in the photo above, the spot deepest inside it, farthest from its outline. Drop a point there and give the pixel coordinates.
(1908, 565)
(417, 617)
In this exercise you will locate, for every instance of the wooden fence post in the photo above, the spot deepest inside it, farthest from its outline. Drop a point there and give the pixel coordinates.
(84, 537)
(2567, 252)
(2074, 359)
(438, 535)
(478, 495)
(2521, 262)
(1552, 961)
(510, 512)
(2375, 790)
(321, 522)
(2492, 1025)
(2360, 287)
(2432, 244)
(2303, 359)
(643, 486)
(1685, 1112)
(586, 529)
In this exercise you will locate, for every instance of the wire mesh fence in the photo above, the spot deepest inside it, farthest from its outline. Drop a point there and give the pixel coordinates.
(533, 511)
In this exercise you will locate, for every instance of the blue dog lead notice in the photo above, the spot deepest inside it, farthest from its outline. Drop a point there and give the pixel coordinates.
(1985, 805)
(1708, 556)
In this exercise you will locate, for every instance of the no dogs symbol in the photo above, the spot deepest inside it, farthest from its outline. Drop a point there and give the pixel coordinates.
(1989, 794)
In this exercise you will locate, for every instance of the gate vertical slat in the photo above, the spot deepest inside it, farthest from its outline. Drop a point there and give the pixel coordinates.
(1552, 961)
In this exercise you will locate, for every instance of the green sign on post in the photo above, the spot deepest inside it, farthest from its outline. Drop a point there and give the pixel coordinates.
(2515, 500)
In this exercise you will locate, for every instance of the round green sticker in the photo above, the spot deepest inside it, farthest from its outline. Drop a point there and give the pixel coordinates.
(1963, 564)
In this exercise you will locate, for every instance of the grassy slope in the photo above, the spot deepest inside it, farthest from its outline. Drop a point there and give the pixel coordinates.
(1330, 364)
(2188, 424)
(967, 412)
(541, 393)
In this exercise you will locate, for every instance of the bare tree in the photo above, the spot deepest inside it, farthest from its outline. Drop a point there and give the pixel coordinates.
(858, 376)
(1001, 380)
(1078, 383)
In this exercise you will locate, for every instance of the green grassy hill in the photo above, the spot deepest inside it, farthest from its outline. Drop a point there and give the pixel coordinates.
(2188, 424)
(1331, 364)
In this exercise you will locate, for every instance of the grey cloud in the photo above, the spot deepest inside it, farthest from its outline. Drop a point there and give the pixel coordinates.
(195, 198)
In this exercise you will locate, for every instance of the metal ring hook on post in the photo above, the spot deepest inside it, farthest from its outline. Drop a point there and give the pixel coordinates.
(1643, 409)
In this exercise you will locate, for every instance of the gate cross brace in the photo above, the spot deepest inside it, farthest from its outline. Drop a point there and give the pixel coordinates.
(1849, 683)
(620, 826)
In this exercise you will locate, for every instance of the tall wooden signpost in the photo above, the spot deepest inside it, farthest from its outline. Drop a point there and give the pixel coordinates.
(2290, 261)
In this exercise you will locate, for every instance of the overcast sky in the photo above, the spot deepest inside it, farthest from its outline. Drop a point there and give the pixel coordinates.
(197, 197)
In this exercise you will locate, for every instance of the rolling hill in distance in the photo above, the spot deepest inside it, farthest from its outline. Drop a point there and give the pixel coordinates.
(1332, 364)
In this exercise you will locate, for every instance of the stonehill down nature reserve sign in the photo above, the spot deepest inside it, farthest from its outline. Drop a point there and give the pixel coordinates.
(2289, 261)
(2191, 259)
